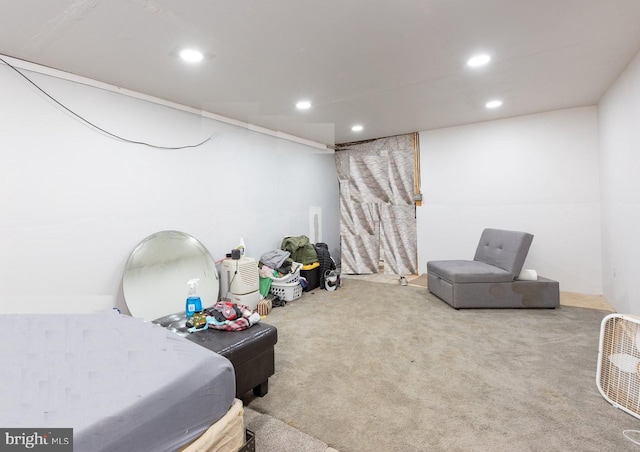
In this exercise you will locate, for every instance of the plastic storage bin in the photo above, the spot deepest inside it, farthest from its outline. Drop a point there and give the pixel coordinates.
(313, 278)
(287, 291)
(288, 287)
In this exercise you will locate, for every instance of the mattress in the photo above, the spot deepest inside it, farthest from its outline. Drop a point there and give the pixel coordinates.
(121, 383)
(226, 435)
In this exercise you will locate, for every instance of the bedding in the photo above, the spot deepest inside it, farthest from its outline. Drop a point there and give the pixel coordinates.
(226, 435)
(121, 383)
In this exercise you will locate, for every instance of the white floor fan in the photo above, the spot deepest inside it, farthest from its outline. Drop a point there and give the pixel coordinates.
(618, 376)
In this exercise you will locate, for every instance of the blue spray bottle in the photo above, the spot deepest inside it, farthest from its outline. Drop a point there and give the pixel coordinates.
(194, 304)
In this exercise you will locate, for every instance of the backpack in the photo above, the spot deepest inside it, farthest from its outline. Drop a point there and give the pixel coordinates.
(326, 262)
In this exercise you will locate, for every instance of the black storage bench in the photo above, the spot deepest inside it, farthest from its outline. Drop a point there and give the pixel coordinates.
(251, 352)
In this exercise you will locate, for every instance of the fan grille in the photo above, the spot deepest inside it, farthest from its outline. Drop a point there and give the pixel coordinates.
(618, 372)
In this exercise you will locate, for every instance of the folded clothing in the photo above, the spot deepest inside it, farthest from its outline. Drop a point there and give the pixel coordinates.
(275, 258)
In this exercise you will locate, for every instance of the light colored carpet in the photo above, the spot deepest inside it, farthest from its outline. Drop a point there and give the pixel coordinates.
(384, 367)
(273, 435)
(566, 298)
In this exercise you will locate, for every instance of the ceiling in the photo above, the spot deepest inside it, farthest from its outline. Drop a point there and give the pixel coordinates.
(392, 66)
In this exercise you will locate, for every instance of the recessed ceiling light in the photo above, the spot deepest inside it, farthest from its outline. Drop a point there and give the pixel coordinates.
(479, 60)
(191, 55)
(303, 105)
(493, 104)
(357, 128)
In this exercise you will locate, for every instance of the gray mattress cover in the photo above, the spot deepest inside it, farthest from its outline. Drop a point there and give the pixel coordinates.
(121, 383)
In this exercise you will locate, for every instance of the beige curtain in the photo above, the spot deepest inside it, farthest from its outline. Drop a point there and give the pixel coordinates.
(377, 207)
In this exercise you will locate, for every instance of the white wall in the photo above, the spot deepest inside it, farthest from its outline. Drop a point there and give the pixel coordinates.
(619, 132)
(74, 202)
(536, 173)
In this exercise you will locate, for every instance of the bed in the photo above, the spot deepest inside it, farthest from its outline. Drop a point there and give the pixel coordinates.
(121, 383)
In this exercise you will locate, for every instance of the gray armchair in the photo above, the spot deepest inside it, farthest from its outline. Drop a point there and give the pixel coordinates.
(490, 279)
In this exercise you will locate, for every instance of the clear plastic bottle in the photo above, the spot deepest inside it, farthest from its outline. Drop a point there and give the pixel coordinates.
(241, 247)
(194, 303)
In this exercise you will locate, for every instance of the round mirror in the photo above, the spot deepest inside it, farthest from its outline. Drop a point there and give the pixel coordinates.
(155, 276)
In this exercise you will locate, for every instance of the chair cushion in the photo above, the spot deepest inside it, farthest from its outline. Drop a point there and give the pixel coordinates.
(462, 271)
(505, 249)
